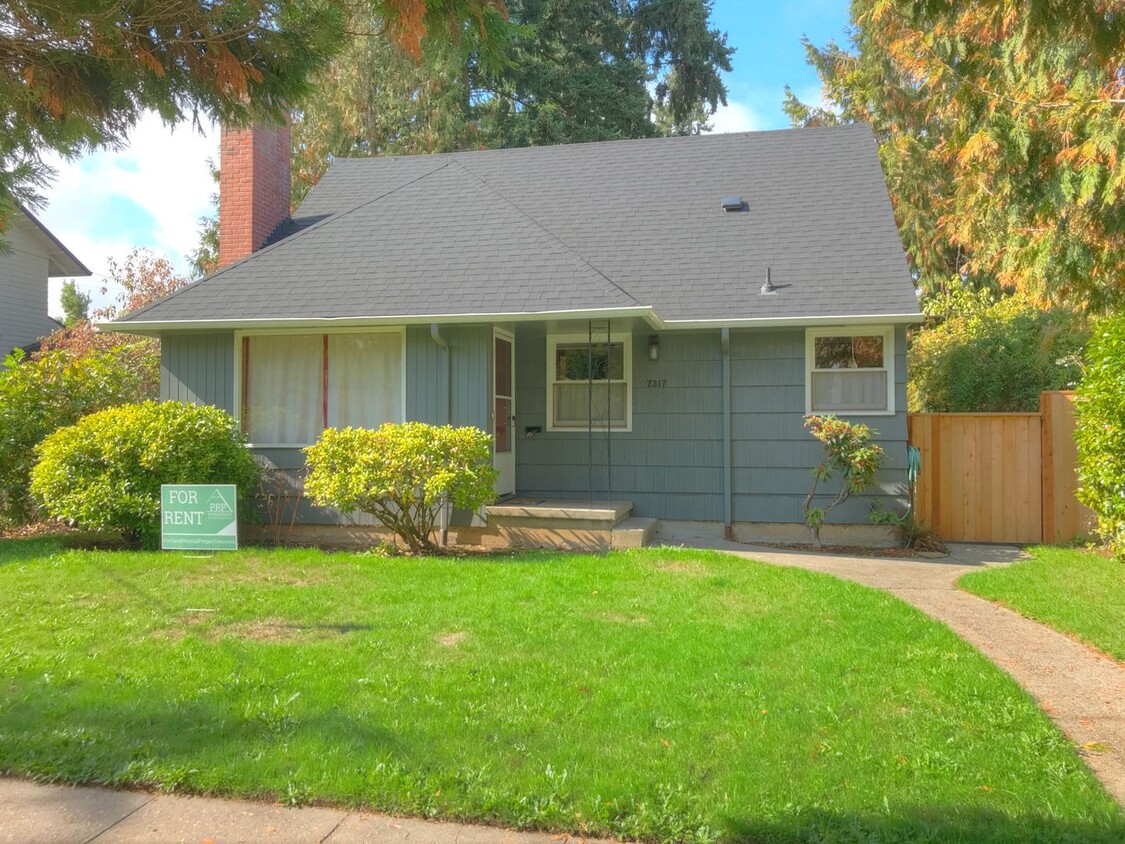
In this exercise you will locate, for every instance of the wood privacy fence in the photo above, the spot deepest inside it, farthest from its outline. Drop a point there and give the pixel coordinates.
(1000, 477)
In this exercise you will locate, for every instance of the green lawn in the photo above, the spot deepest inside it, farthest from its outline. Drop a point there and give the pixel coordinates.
(663, 695)
(1075, 592)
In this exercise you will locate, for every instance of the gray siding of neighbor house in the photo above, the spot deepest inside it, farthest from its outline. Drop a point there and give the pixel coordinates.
(23, 292)
(671, 464)
(200, 368)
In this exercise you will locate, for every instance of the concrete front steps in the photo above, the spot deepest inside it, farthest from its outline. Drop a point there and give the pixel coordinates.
(566, 524)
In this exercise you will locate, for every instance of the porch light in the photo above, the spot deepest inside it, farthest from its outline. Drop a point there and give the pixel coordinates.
(768, 288)
(654, 347)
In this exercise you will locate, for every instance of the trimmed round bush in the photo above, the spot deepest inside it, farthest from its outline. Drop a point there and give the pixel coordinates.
(1100, 435)
(402, 474)
(105, 471)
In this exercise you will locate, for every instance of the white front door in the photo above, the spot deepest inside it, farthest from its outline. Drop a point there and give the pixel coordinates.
(504, 410)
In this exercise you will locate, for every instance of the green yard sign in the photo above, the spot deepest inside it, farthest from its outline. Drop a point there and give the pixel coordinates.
(198, 517)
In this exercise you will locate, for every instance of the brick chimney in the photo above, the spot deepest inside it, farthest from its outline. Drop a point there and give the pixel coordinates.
(253, 188)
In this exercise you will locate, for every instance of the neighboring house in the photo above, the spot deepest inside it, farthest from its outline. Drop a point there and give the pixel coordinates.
(647, 321)
(33, 255)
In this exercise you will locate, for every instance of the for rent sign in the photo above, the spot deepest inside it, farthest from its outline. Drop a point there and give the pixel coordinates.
(198, 517)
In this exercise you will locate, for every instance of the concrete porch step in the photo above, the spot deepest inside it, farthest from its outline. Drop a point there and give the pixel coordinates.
(572, 514)
(634, 532)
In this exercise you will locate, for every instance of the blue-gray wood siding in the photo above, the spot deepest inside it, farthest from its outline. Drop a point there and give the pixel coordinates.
(671, 464)
(198, 368)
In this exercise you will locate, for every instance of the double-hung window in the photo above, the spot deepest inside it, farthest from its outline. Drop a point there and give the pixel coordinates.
(850, 371)
(295, 385)
(588, 383)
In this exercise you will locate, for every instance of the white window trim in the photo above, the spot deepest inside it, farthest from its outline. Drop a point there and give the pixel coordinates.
(885, 331)
(238, 363)
(553, 342)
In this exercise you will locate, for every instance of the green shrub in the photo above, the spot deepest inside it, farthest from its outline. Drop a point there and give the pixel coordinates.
(105, 471)
(58, 388)
(849, 453)
(994, 357)
(402, 474)
(1101, 431)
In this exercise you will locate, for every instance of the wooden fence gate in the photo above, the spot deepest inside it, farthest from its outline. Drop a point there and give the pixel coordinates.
(1000, 477)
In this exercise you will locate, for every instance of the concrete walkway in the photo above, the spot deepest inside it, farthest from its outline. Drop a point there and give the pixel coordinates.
(52, 814)
(1083, 691)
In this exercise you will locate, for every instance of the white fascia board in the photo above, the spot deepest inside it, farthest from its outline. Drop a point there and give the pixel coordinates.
(328, 323)
(788, 322)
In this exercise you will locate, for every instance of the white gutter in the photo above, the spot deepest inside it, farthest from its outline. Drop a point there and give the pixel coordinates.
(643, 312)
(141, 326)
(785, 322)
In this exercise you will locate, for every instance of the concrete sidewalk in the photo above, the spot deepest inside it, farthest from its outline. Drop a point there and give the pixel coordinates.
(53, 814)
(1083, 691)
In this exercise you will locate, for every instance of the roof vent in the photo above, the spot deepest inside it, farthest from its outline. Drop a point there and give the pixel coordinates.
(768, 288)
(733, 203)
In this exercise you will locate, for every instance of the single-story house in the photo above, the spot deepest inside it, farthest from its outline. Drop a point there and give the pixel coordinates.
(31, 258)
(639, 321)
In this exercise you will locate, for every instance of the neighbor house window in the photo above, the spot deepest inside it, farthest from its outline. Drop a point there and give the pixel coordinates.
(850, 372)
(588, 383)
(295, 386)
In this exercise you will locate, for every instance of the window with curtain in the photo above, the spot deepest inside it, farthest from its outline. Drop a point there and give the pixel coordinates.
(850, 373)
(294, 386)
(588, 383)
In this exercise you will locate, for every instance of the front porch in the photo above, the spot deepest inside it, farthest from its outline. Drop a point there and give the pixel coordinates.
(568, 524)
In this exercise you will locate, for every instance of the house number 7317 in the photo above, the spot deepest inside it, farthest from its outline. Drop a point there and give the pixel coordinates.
(657, 382)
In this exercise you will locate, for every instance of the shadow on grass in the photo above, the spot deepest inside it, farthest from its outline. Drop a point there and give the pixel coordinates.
(28, 550)
(939, 825)
(54, 732)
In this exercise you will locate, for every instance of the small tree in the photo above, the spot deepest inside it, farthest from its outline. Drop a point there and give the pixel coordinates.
(1100, 435)
(849, 453)
(402, 474)
(105, 471)
(75, 304)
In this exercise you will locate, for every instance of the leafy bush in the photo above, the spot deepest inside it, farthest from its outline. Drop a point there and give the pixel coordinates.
(57, 388)
(1101, 431)
(849, 453)
(993, 357)
(105, 471)
(402, 474)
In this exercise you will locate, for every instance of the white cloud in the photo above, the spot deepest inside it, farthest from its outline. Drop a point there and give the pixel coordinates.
(737, 117)
(151, 193)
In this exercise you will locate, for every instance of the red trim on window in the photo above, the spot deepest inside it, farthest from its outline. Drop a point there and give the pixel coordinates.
(246, 385)
(324, 384)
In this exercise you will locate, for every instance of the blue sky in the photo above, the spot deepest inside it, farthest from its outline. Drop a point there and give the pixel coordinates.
(153, 192)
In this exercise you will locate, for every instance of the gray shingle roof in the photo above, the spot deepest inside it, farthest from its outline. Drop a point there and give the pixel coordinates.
(584, 227)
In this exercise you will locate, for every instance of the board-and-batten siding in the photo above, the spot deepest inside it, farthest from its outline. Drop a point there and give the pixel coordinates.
(23, 292)
(671, 464)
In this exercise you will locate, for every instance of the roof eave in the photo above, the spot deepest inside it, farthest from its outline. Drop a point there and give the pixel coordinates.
(153, 327)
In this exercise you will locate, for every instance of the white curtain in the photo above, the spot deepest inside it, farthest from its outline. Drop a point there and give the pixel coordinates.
(364, 379)
(283, 388)
(572, 404)
(849, 389)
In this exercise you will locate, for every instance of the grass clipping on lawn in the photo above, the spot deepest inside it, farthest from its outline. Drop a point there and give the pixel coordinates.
(658, 695)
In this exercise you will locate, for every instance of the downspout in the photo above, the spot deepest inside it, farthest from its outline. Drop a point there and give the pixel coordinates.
(435, 335)
(728, 505)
